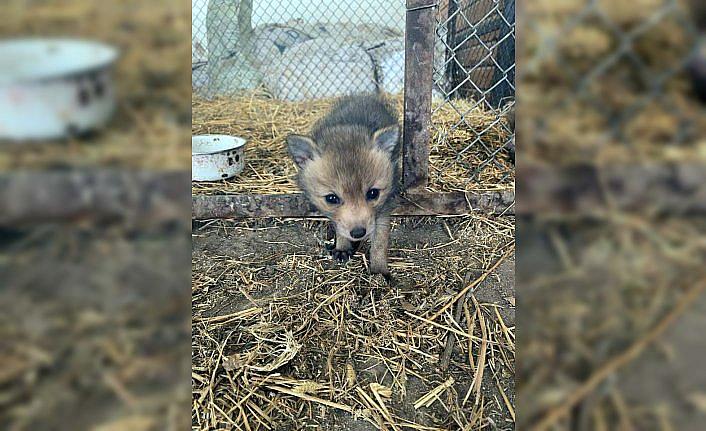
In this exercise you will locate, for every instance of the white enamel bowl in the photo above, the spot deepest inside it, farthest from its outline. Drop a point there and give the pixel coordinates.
(54, 88)
(216, 157)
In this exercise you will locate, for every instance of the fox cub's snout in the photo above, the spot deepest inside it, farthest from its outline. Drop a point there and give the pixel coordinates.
(348, 168)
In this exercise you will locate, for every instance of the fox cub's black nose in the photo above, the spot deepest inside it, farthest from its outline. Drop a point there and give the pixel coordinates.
(358, 232)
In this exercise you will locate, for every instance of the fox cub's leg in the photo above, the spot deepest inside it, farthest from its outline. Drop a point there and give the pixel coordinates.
(379, 246)
(344, 249)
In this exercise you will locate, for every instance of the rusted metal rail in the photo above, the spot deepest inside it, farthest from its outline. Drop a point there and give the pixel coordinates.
(138, 199)
(296, 205)
(418, 80)
(588, 191)
(154, 198)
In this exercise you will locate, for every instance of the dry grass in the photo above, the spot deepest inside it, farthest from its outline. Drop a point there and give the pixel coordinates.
(599, 299)
(151, 127)
(265, 123)
(285, 339)
(628, 111)
(605, 288)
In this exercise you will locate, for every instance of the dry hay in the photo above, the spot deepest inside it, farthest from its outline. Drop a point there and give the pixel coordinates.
(287, 339)
(102, 346)
(265, 123)
(616, 118)
(151, 127)
(597, 296)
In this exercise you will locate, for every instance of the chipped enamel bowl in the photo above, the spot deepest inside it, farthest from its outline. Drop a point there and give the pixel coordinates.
(216, 157)
(54, 88)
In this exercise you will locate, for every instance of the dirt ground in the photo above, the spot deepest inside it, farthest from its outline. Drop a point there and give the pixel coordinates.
(591, 291)
(675, 390)
(261, 283)
(93, 329)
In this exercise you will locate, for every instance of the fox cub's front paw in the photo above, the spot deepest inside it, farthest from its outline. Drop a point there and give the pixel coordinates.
(379, 268)
(342, 256)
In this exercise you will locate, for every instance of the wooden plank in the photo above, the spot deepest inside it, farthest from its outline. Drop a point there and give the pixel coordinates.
(477, 55)
(419, 56)
(489, 38)
(296, 205)
(483, 77)
(475, 11)
(443, 9)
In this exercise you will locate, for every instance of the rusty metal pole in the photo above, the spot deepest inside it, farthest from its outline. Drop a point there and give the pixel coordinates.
(296, 205)
(419, 58)
(136, 199)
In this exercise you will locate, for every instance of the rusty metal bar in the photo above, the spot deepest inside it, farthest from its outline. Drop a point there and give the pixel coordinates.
(296, 205)
(138, 199)
(153, 198)
(586, 191)
(418, 80)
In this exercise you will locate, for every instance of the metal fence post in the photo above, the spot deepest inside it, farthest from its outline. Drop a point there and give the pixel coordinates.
(418, 79)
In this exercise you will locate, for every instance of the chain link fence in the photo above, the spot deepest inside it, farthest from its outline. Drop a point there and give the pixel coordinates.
(307, 50)
(300, 50)
(475, 76)
(604, 82)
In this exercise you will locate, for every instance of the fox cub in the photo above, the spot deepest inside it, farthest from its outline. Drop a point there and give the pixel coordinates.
(349, 170)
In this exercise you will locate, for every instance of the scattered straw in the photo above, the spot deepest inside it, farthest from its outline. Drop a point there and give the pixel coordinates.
(617, 362)
(470, 286)
(433, 395)
(265, 123)
(307, 341)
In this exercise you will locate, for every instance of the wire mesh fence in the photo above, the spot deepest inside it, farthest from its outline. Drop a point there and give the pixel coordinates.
(605, 98)
(475, 76)
(299, 50)
(605, 82)
(305, 50)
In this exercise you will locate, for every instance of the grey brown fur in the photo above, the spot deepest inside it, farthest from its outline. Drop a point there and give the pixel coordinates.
(351, 151)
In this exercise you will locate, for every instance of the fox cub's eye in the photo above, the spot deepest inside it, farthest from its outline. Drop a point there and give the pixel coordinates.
(372, 194)
(332, 199)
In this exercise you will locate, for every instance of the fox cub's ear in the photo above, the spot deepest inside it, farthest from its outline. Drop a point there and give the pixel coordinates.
(302, 149)
(388, 139)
